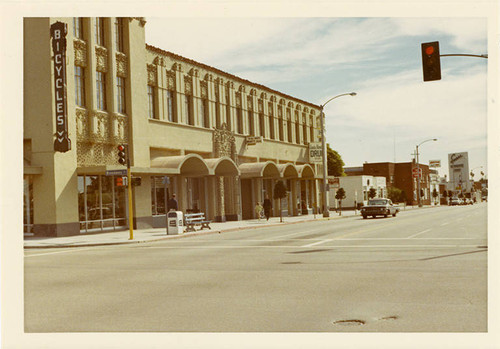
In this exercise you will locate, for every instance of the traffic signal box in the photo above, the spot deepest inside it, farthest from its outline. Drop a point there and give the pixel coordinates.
(122, 154)
(431, 63)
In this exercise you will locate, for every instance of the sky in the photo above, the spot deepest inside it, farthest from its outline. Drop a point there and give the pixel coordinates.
(379, 58)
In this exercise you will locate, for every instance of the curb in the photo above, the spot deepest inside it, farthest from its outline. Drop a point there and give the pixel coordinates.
(186, 235)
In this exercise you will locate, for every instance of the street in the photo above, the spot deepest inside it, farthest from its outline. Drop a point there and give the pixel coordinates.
(422, 271)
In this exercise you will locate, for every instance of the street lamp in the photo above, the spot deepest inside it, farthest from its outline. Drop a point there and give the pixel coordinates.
(418, 171)
(326, 211)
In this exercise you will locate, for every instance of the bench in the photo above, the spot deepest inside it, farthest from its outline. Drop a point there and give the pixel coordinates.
(193, 219)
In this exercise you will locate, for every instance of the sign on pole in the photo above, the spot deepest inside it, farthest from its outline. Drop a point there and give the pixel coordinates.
(434, 163)
(315, 153)
(417, 172)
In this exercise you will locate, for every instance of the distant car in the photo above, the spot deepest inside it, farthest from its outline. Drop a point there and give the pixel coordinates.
(455, 201)
(468, 201)
(379, 207)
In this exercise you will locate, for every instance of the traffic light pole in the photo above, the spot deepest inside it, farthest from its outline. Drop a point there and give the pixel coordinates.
(130, 206)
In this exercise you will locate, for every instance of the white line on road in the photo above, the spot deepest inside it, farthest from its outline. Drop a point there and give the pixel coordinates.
(422, 232)
(317, 243)
(446, 223)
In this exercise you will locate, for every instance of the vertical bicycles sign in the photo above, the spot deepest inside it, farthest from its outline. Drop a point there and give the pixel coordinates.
(58, 32)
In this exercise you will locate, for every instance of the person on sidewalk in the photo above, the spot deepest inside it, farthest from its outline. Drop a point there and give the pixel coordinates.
(267, 207)
(172, 204)
(258, 210)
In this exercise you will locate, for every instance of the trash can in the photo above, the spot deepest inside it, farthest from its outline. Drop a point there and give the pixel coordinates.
(174, 223)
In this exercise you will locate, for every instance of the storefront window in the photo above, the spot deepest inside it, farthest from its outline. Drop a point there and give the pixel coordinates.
(101, 203)
(159, 194)
(28, 204)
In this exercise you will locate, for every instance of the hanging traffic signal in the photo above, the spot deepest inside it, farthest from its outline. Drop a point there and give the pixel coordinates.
(431, 63)
(122, 155)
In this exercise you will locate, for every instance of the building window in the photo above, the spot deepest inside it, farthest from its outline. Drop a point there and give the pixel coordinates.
(297, 128)
(187, 109)
(304, 131)
(99, 31)
(228, 115)
(289, 126)
(79, 86)
(280, 123)
(78, 28)
(101, 90)
(311, 128)
(151, 102)
(119, 34)
(271, 121)
(120, 86)
(251, 128)
(101, 202)
(203, 112)
(239, 121)
(262, 125)
(170, 106)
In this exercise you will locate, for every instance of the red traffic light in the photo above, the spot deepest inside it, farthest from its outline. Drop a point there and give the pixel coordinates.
(122, 154)
(121, 147)
(431, 61)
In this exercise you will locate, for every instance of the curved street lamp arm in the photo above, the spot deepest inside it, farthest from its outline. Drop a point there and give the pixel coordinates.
(343, 94)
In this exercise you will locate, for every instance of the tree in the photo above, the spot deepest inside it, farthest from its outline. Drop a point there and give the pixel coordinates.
(280, 192)
(340, 196)
(372, 193)
(335, 164)
(394, 194)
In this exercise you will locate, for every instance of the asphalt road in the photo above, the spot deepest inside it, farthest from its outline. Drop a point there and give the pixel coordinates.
(422, 271)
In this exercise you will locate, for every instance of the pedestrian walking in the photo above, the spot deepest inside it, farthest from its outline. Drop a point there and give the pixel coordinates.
(258, 210)
(172, 204)
(267, 207)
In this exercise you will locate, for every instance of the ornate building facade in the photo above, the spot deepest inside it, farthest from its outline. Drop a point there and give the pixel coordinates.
(217, 141)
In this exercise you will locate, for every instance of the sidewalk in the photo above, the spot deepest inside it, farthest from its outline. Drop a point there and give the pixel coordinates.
(155, 234)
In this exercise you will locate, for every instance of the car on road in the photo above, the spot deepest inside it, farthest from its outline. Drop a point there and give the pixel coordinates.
(379, 207)
(455, 201)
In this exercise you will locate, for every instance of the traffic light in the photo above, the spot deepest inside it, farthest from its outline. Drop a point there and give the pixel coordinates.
(122, 155)
(119, 181)
(431, 63)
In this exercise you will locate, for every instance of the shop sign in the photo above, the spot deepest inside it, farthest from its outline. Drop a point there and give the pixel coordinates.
(252, 140)
(58, 32)
(434, 163)
(334, 182)
(315, 153)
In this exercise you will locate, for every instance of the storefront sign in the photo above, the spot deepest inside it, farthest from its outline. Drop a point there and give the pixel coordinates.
(315, 153)
(434, 163)
(334, 182)
(58, 33)
(252, 140)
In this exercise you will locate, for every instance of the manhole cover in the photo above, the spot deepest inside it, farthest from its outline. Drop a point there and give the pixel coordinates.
(349, 322)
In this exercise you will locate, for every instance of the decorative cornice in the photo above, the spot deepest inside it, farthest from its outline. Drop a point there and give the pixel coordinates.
(159, 61)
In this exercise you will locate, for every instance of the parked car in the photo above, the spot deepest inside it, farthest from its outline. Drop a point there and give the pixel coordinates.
(455, 201)
(379, 207)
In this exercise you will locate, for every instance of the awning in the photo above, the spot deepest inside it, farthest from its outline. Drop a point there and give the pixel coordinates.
(288, 170)
(266, 169)
(305, 171)
(223, 166)
(191, 165)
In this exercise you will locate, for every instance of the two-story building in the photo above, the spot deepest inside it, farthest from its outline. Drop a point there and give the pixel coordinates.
(217, 141)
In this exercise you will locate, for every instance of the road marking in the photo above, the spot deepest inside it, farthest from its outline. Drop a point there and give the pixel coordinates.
(317, 243)
(298, 247)
(446, 223)
(422, 232)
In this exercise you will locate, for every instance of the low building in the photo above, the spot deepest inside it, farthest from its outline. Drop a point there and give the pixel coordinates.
(401, 175)
(357, 189)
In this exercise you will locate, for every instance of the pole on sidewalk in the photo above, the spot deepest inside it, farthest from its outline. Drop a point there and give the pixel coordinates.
(130, 206)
